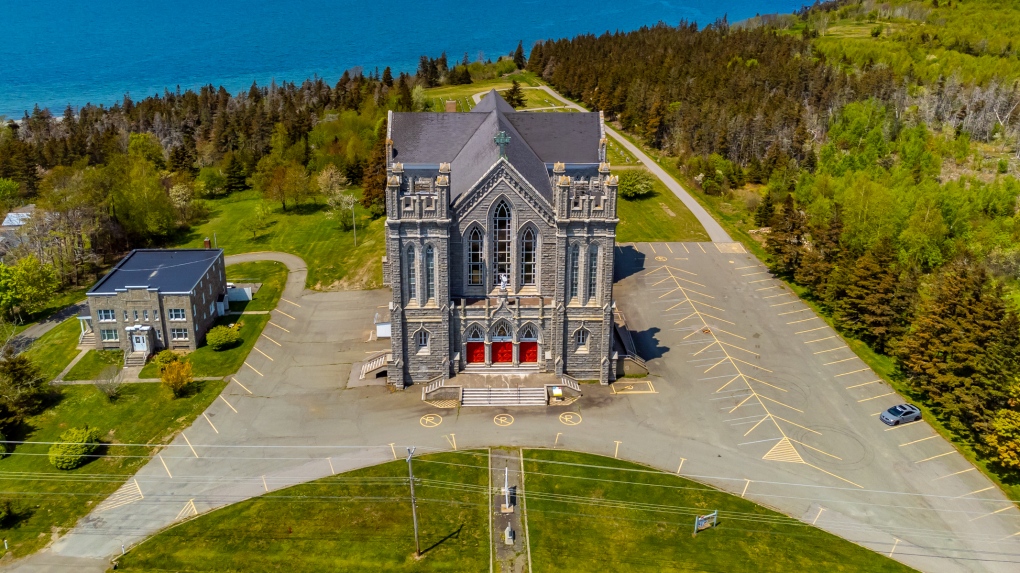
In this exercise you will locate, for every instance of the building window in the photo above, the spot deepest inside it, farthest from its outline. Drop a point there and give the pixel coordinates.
(501, 242)
(430, 273)
(109, 335)
(475, 263)
(159, 335)
(575, 254)
(178, 334)
(145, 315)
(176, 314)
(528, 260)
(106, 315)
(421, 339)
(155, 315)
(475, 335)
(136, 315)
(593, 271)
(412, 276)
(502, 332)
(528, 334)
(582, 340)
(125, 316)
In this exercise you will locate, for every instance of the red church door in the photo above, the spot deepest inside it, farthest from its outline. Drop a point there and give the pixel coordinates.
(475, 352)
(503, 352)
(529, 351)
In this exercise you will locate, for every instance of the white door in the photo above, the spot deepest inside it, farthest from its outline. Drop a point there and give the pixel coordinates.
(140, 342)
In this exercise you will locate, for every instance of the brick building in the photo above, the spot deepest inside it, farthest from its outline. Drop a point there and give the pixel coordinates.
(501, 231)
(155, 299)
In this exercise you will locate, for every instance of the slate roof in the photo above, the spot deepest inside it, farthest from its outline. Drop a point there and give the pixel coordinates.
(165, 270)
(465, 140)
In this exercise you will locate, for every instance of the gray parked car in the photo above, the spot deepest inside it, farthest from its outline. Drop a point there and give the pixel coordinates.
(900, 414)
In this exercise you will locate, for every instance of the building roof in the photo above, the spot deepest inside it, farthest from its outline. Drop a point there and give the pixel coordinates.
(165, 270)
(465, 140)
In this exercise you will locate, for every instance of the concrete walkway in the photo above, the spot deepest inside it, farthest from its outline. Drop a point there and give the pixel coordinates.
(715, 231)
(26, 337)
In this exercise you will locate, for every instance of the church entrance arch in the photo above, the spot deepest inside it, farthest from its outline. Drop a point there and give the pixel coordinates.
(528, 344)
(475, 346)
(502, 343)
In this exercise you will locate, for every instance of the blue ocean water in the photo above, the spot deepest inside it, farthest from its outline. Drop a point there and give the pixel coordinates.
(56, 52)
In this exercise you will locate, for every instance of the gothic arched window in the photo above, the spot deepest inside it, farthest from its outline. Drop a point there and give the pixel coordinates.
(412, 276)
(430, 273)
(593, 271)
(501, 242)
(575, 254)
(581, 337)
(502, 332)
(528, 333)
(528, 257)
(475, 334)
(474, 257)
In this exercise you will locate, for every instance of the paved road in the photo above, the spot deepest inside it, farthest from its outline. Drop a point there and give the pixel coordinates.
(26, 337)
(715, 231)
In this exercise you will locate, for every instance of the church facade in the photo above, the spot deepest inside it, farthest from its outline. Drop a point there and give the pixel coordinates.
(500, 242)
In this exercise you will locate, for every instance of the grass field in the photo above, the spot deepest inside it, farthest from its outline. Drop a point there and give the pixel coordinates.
(660, 216)
(53, 351)
(208, 362)
(617, 155)
(358, 521)
(333, 260)
(48, 500)
(271, 274)
(462, 93)
(93, 363)
(585, 515)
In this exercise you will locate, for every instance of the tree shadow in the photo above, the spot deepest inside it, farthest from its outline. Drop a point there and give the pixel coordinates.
(305, 208)
(647, 344)
(629, 261)
(452, 535)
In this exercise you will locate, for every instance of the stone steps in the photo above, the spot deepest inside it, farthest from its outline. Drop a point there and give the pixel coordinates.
(504, 397)
(135, 359)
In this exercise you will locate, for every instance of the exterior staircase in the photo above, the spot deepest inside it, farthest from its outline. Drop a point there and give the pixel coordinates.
(88, 339)
(135, 359)
(504, 397)
(375, 364)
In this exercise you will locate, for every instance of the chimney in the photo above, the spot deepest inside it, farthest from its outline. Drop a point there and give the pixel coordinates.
(208, 244)
(451, 105)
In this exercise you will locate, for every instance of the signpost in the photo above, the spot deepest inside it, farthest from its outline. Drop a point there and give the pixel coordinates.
(703, 522)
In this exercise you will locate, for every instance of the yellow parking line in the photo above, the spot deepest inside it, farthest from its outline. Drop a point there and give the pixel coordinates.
(285, 314)
(759, 281)
(794, 312)
(263, 353)
(228, 403)
(1008, 507)
(160, 456)
(685, 248)
(752, 274)
(956, 473)
(854, 372)
(747, 267)
(780, 294)
(876, 397)
(669, 247)
(812, 330)
(767, 288)
(189, 444)
(936, 457)
(730, 333)
(719, 319)
(271, 340)
(241, 385)
(288, 302)
(976, 491)
(838, 361)
(805, 320)
(916, 441)
(831, 350)
(863, 384)
(702, 248)
(784, 303)
(210, 422)
(278, 326)
(253, 368)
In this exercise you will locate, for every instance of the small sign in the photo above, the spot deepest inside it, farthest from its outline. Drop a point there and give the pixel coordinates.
(703, 522)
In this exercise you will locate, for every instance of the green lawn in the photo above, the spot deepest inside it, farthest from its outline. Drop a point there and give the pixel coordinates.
(462, 94)
(358, 521)
(49, 500)
(271, 274)
(208, 362)
(586, 515)
(617, 155)
(53, 351)
(660, 216)
(333, 260)
(92, 364)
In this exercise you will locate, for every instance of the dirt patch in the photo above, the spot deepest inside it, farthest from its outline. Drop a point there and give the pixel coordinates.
(667, 210)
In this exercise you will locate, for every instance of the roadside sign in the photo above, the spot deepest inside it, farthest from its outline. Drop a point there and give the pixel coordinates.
(703, 522)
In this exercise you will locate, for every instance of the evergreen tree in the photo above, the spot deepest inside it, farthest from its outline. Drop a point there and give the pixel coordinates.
(515, 95)
(236, 179)
(519, 60)
(405, 101)
(765, 211)
(387, 77)
(868, 308)
(374, 196)
(785, 242)
(817, 263)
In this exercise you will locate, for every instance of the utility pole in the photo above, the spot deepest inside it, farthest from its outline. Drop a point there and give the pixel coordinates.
(414, 506)
(506, 486)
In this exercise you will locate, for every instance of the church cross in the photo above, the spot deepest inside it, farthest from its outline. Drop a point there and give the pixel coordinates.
(502, 140)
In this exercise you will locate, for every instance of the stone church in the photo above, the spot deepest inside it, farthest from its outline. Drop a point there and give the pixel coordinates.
(501, 229)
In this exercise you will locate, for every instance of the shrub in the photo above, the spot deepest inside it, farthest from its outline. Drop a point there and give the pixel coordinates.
(74, 448)
(5, 448)
(176, 377)
(635, 183)
(7, 512)
(165, 358)
(223, 337)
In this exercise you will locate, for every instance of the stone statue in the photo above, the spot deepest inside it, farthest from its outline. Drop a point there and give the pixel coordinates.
(503, 281)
